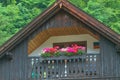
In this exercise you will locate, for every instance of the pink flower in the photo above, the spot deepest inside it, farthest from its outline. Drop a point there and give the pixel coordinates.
(63, 50)
(82, 48)
(71, 50)
(57, 47)
(45, 50)
(49, 50)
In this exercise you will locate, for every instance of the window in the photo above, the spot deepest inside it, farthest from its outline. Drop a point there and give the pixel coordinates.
(68, 44)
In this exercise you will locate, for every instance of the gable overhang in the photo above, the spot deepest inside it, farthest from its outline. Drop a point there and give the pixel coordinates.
(43, 36)
(47, 14)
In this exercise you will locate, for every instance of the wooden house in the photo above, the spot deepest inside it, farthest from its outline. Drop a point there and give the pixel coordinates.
(62, 24)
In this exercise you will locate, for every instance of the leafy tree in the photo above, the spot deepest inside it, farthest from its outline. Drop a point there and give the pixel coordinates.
(106, 11)
(14, 15)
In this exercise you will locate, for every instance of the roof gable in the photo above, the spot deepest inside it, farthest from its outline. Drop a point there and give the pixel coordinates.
(61, 24)
(57, 6)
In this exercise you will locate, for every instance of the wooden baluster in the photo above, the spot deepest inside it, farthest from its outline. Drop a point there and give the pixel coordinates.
(40, 68)
(57, 68)
(95, 65)
(45, 73)
(91, 65)
(36, 73)
(62, 68)
(80, 66)
(32, 67)
(83, 59)
(46, 64)
(70, 66)
(59, 64)
(37, 69)
(53, 67)
(74, 67)
(77, 67)
(65, 68)
(86, 66)
(49, 69)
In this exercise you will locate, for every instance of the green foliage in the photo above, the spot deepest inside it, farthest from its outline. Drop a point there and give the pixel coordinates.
(68, 54)
(45, 55)
(106, 11)
(15, 14)
(80, 52)
(57, 54)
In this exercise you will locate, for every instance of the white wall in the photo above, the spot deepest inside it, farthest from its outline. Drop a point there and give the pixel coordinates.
(68, 38)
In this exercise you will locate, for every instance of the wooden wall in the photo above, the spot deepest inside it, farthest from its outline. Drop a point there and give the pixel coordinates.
(61, 19)
(15, 69)
(110, 59)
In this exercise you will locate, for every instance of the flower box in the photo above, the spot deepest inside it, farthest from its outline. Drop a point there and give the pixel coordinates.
(80, 57)
(74, 50)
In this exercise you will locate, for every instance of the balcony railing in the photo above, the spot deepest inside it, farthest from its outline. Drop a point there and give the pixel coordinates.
(86, 65)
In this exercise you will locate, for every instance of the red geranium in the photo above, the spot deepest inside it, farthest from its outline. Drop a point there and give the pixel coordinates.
(74, 49)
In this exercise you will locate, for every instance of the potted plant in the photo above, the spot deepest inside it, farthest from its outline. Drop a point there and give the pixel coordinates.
(68, 51)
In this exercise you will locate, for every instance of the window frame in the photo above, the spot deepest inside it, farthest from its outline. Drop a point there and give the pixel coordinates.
(66, 44)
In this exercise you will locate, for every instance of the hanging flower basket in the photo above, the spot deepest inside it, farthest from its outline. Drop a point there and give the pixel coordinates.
(68, 51)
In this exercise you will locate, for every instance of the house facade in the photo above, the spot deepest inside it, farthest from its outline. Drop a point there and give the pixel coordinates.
(62, 24)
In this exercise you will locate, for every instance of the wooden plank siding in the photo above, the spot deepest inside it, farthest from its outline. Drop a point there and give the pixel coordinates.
(15, 69)
(110, 59)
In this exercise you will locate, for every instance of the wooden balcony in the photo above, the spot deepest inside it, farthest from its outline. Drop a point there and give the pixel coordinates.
(74, 67)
